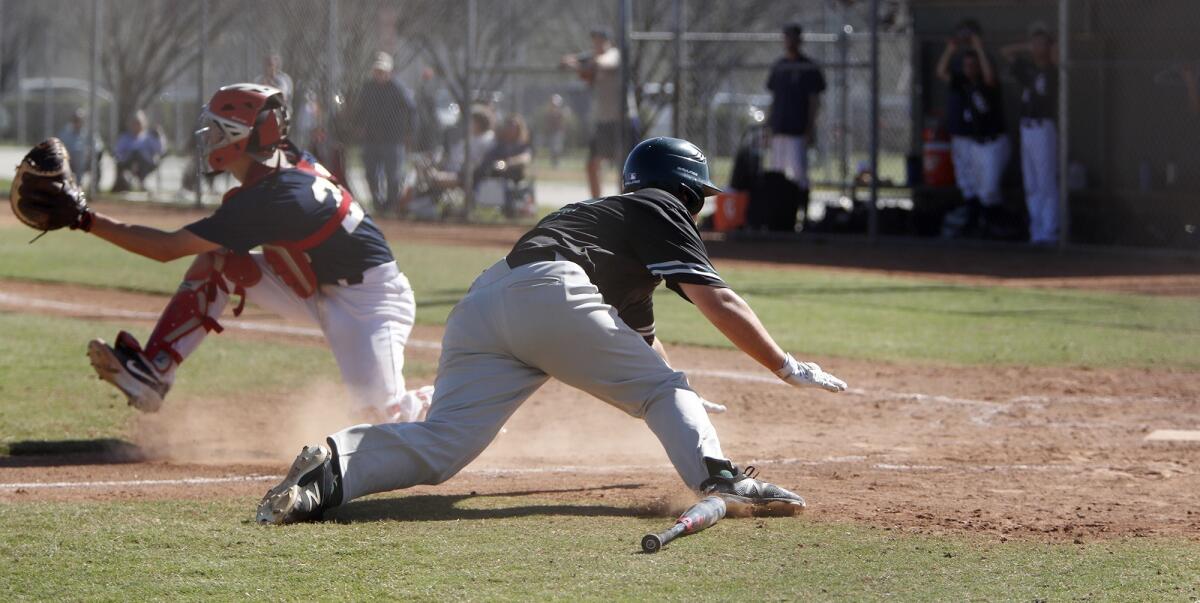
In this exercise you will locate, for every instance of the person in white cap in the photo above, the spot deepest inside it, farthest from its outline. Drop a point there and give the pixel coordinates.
(383, 117)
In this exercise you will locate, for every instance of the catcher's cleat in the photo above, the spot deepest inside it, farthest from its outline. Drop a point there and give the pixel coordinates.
(746, 495)
(124, 366)
(312, 486)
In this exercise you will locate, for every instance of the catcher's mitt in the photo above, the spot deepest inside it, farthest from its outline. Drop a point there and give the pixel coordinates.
(44, 194)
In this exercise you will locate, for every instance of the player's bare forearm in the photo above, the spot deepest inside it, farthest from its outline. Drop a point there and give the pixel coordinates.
(985, 64)
(734, 318)
(658, 348)
(943, 65)
(153, 243)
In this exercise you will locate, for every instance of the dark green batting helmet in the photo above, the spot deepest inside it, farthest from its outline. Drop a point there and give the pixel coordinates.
(673, 165)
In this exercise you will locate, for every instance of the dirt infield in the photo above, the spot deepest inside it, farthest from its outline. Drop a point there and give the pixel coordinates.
(1049, 453)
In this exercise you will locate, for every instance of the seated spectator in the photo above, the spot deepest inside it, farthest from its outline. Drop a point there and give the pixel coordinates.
(138, 153)
(444, 175)
(81, 144)
(511, 154)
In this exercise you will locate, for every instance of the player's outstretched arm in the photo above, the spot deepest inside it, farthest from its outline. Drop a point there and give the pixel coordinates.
(734, 318)
(153, 243)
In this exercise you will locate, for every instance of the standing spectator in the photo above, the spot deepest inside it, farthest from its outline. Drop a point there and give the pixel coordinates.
(274, 76)
(601, 69)
(796, 85)
(554, 126)
(307, 118)
(384, 115)
(984, 145)
(138, 152)
(427, 129)
(81, 144)
(1035, 67)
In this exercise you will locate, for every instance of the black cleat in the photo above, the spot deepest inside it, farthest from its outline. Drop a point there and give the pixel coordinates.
(312, 486)
(745, 495)
(124, 366)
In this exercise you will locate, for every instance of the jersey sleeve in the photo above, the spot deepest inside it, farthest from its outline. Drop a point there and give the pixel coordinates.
(669, 246)
(818, 80)
(244, 221)
(640, 318)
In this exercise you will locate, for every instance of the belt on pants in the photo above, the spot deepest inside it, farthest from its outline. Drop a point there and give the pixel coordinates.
(374, 274)
(530, 256)
(1036, 121)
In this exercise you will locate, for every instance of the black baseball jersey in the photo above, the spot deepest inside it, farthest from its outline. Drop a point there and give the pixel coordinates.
(291, 204)
(792, 84)
(627, 245)
(982, 108)
(1039, 89)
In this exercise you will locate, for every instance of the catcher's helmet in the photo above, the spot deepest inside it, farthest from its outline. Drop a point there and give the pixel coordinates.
(241, 118)
(671, 164)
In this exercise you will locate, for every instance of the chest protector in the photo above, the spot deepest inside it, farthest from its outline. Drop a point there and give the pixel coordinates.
(289, 259)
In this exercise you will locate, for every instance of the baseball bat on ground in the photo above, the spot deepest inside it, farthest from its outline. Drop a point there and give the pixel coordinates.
(699, 516)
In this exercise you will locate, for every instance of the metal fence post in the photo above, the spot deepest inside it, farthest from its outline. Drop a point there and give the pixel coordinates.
(48, 56)
(1064, 118)
(335, 69)
(93, 113)
(625, 20)
(468, 174)
(873, 209)
(22, 133)
(203, 41)
(678, 58)
(844, 100)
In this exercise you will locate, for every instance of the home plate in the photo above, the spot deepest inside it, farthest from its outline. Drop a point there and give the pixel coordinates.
(1174, 435)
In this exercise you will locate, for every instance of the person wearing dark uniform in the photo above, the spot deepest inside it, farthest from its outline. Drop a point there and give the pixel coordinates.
(796, 84)
(573, 301)
(1035, 67)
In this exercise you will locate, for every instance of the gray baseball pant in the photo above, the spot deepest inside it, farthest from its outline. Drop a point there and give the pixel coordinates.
(515, 329)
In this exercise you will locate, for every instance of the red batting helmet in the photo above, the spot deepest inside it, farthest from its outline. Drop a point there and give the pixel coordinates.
(241, 118)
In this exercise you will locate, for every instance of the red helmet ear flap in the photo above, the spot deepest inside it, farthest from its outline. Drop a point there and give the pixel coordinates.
(269, 129)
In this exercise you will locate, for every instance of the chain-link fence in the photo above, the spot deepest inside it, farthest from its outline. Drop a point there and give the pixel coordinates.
(386, 91)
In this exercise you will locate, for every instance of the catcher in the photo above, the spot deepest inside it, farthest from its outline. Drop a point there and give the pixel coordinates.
(322, 259)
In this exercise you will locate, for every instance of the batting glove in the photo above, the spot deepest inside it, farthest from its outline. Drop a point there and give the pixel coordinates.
(713, 408)
(800, 374)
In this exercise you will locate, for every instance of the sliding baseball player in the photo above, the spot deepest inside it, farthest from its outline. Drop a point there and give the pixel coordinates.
(573, 300)
(322, 258)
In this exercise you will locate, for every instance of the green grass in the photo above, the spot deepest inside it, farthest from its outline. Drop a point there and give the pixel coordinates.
(448, 547)
(811, 312)
(48, 390)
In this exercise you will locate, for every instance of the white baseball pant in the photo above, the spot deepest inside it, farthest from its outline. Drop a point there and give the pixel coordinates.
(514, 330)
(789, 154)
(1039, 169)
(963, 158)
(979, 167)
(366, 325)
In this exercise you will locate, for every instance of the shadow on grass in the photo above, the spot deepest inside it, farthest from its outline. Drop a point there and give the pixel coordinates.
(432, 507)
(52, 453)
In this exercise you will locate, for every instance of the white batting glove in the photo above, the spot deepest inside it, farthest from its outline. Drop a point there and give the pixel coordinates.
(713, 408)
(800, 374)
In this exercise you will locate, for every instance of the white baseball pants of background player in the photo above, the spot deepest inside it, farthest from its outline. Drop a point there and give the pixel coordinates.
(989, 158)
(366, 325)
(1039, 169)
(515, 329)
(789, 154)
(963, 157)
